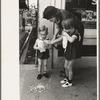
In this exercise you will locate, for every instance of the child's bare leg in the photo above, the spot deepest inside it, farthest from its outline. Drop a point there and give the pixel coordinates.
(39, 69)
(66, 72)
(45, 65)
(66, 68)
(70, 65)
(45, 68)
(40, 66)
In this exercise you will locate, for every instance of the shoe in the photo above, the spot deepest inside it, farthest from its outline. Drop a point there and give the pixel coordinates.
(64, 80)
(67, 84)
(62, 71)
(39, 76)
(46, 75)
(62, 75)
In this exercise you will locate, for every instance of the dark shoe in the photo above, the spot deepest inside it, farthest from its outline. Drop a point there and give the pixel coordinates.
(46, 75)
(62, 71)
(62, 75)
(39, 76)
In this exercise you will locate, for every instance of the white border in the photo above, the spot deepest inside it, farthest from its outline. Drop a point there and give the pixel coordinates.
(97, 50)
(10, 50)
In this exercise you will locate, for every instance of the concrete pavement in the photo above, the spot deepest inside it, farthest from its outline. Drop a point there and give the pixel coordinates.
(84, 85)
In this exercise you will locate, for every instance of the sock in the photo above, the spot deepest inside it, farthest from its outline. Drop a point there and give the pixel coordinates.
(70, 81)
(67, 77)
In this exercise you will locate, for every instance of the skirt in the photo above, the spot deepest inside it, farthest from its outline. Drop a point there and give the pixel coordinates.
(72, 52)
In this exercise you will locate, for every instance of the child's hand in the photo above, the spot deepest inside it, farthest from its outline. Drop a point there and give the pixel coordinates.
(45, 44)
(51, 42)
(48, 43)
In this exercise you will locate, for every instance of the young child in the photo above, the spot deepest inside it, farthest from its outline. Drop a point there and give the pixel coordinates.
(72, 50)
(42, 47)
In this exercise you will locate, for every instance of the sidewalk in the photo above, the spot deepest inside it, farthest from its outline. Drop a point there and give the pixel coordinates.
(84, 85)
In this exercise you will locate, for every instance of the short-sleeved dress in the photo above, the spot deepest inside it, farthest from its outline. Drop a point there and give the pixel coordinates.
(44, 54)
(73, 50)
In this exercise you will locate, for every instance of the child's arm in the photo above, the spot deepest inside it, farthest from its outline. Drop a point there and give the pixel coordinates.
(36, 46)
(71, 39)
(56, 40)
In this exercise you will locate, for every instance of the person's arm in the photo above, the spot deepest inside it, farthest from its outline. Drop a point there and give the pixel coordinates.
(36, 46)
(71, 39)
(56, 40)
(56, 31)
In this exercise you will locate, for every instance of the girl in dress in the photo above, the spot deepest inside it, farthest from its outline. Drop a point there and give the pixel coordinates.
(72, 49)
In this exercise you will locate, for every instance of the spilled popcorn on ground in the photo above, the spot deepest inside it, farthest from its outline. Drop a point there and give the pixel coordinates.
(38, 88)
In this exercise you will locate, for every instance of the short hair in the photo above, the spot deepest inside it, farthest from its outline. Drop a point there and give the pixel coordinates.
(69, 23)
(43, 28)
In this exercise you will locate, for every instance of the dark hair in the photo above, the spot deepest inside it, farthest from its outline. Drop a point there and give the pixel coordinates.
(49, 12)
(69, 23)
(58, 14)
(43, 28)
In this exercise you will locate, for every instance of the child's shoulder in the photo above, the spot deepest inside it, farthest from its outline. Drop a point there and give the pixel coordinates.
(37, 39)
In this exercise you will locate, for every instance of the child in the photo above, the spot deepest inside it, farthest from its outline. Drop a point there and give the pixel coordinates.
(42, 47)
(72, 50)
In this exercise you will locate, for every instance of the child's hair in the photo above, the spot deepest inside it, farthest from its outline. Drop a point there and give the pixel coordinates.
(43, 28)
(69, 23)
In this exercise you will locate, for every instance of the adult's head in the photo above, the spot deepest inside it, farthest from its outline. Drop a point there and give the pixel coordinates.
(56, 15)
(50, 13)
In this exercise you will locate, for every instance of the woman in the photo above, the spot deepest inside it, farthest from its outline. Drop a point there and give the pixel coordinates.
(57, 16)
